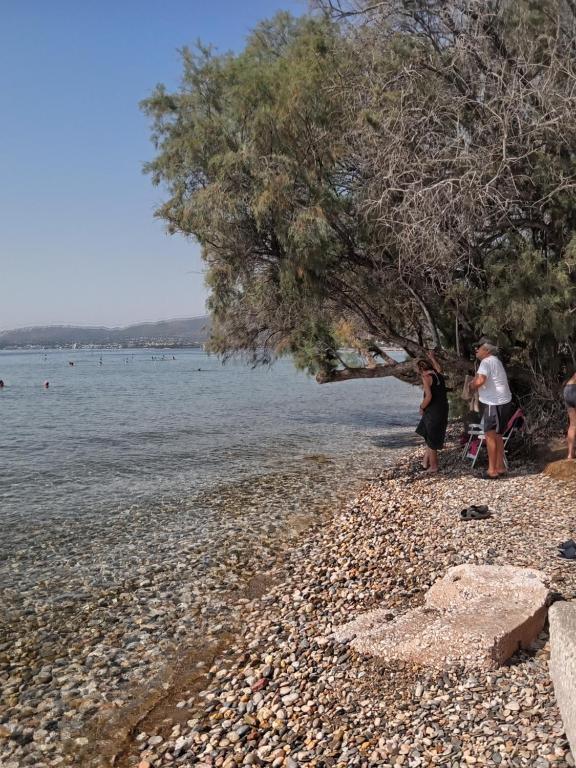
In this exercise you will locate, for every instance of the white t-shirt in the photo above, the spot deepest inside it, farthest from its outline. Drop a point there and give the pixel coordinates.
(495, 390)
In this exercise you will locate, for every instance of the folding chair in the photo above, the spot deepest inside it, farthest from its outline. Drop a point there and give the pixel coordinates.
(477, 437)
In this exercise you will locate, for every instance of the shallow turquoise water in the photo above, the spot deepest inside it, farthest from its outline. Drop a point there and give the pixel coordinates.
(134, 428)
(138, 496)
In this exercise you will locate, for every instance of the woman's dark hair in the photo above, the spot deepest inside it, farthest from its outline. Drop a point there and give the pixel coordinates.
(422, 364)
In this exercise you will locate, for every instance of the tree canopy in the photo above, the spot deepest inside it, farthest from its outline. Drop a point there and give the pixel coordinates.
(398, 173)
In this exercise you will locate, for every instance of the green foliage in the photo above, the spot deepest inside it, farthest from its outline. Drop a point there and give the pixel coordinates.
(248, 150)
(312, 347)
(409, 178)
(526, 306)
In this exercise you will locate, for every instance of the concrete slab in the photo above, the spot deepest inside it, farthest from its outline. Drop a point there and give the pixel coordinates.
(477, 616)
(562, 617)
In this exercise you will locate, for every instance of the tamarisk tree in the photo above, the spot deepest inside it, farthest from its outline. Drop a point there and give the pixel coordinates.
(398, 173)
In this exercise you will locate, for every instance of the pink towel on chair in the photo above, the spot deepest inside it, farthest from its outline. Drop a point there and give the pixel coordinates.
(473, 449)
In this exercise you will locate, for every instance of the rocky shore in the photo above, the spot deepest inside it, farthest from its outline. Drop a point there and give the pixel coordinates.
(286, 694)
(261, 681)
(98, 619)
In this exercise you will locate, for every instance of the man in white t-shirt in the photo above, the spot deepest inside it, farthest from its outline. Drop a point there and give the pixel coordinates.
(496, 404)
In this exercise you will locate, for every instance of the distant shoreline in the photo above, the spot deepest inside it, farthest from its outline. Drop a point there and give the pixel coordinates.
(184, 332)
(75, 347)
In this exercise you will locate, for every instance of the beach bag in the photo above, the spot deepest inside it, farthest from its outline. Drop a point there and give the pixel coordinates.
(471, 397)
(466, 394)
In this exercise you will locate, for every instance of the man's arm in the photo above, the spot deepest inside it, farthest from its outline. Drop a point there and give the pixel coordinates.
(478, 381)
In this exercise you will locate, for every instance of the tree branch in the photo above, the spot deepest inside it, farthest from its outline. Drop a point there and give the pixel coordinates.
(427, 314)
(403, 371)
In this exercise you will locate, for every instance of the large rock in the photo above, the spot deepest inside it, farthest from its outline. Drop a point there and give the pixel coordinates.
(563, 664)
(476, 615)
(565, 469)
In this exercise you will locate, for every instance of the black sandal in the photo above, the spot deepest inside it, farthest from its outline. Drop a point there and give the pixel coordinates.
(475, 512)
(567, 550)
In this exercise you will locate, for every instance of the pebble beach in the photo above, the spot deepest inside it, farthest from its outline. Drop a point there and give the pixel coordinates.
(285, 694)
(141, 502)
(95, 628)
(263, 682)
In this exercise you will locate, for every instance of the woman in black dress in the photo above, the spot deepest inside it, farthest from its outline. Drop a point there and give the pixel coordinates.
(433, 409)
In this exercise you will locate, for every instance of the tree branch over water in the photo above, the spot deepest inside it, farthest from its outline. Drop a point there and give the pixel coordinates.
(385, 173)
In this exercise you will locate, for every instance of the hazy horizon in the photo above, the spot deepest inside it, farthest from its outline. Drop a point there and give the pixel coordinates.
(79, 244)
(107, 326)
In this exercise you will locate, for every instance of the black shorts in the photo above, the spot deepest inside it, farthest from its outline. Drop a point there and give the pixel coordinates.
(495, 418)
(570, 395)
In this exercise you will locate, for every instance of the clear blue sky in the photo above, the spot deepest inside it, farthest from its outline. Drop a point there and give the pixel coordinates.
(78, 242)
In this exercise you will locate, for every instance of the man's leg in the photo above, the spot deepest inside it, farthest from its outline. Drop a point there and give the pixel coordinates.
(492, 448)
(571, 436)
(500, 466)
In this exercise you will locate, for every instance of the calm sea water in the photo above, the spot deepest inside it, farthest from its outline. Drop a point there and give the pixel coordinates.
(119, 427)
(138, 494)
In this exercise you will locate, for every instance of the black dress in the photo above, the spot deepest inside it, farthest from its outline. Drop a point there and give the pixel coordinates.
(432, 426)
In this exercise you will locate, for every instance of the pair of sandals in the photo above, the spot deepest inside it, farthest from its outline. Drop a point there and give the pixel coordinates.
(567, 550)
(475, 512)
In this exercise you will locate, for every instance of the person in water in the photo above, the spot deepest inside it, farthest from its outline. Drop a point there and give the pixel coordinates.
(570, 401)
(46, 384)
(433, 410)
(1, 384)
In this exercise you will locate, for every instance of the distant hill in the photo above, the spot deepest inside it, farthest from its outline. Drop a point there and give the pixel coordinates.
(191, 330)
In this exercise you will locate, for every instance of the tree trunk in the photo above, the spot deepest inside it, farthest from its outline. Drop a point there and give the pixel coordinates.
(454, 368)
(403, 371)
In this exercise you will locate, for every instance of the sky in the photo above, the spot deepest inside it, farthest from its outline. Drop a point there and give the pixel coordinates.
(78, 240)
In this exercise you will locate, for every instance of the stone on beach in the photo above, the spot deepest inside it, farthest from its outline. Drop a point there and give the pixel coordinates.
(476, 615)
(563, 663)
